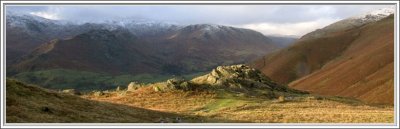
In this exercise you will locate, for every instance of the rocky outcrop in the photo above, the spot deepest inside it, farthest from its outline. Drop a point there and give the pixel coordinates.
(175, 84)
(240, 77)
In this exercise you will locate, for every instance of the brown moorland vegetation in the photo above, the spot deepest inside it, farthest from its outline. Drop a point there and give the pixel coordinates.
(364, 71)
(240, 94)
(354, 63)
(242, 99)
(31, 104)
(225, 106)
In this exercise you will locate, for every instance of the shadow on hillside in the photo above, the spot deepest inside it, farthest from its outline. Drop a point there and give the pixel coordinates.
(153, 116)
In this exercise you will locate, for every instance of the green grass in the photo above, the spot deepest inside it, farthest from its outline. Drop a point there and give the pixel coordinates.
(224, 99)
(86, 81)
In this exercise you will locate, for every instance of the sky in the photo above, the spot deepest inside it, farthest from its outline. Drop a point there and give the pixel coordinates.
(295, 20)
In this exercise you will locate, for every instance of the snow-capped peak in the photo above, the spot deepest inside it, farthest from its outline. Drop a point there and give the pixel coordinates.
(20, 19)
(384, 11)
(211, 27)
(127, 22)
(375, 15)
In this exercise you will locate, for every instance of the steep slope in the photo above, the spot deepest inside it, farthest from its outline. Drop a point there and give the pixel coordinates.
(349, 47)
(31, 104)
(304, 57)
(364, 71)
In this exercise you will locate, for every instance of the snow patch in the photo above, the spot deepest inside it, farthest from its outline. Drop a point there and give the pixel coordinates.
(375, 15)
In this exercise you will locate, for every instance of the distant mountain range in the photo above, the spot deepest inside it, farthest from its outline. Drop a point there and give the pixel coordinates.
(128, 47)
(352, 58)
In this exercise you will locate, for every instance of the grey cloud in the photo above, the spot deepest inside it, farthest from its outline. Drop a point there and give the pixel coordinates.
(228, 14)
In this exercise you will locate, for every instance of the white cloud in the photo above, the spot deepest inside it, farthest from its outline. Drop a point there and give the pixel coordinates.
(297, 29)
(47, 15)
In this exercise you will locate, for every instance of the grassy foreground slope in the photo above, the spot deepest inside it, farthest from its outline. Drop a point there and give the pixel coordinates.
(230, 106)
(229, 94)
(31, 104)
(236, 99)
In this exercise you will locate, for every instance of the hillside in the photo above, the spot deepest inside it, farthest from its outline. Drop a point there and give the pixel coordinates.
(203, 47)
(359, 58)
(216, 97)
(242, 94)
(100, 51)
(364, 71)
